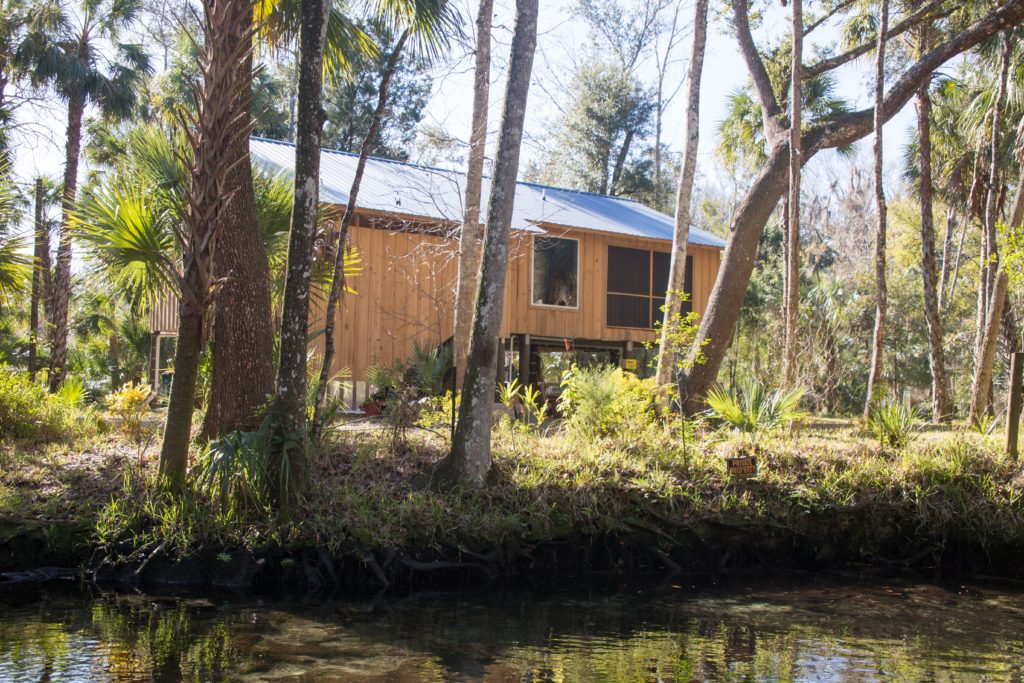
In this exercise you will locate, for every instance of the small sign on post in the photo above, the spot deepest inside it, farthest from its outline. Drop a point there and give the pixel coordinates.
(742, 467)
(629, 364)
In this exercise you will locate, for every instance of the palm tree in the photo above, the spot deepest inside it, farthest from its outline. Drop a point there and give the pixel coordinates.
(80, 55)
(15, 268)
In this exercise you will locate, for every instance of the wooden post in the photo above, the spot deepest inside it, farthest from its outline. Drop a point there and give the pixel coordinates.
(524, 359)
(1014, 405)
(154, 362)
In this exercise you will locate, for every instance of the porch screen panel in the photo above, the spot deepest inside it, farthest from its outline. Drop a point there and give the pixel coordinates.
(637, 282)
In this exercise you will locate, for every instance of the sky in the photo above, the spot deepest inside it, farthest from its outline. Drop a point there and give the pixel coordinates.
(562, 40)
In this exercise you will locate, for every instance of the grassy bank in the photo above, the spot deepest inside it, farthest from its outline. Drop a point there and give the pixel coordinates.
(825, 495)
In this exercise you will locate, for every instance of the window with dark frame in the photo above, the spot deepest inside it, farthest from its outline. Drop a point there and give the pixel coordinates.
(555, 272)
(637, 282)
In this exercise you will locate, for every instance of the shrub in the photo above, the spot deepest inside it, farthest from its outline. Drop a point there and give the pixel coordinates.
(27, 411)
(605, 401)
(129, 404)
(234, 470)
(754, 408)
(893, 422)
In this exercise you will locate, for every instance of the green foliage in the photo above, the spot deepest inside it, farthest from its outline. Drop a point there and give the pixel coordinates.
(603, 400)
(755, 408)
(129, 405)
(27, 411)
(234, 471)
(893, 422)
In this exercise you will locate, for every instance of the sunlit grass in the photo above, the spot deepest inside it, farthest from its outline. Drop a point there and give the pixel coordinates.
(552, 485)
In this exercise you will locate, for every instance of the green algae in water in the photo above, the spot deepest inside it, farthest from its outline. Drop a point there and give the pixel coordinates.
(843, 634)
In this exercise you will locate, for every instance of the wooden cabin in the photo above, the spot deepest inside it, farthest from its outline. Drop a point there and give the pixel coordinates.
(587, 272)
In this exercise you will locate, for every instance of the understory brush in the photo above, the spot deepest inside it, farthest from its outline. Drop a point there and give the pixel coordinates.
(28, 411)
(654, 483)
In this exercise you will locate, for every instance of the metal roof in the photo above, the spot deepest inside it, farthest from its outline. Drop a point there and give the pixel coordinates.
(416, 190)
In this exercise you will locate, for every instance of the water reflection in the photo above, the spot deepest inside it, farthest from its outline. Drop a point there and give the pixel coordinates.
(845, 634)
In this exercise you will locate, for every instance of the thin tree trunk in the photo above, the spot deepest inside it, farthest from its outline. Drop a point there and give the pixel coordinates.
(62, 284)
(684, 193)
(41, 261)
(947, 254)
(981, 387)
(942, 409)
(178, 426)
(338, 272)
(472, 235)
(470, 458)
(881, 301)
(287, 465)
(620, 161)
(791, 274)
(988, 260)
(958, 260)
(243, 317)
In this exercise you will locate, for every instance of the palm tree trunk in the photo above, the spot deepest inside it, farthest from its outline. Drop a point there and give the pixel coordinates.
(290, 403)
(882, 295)
(470, 458)
(791, 274)
(942, 409)
(472, 236)
(338, 272)
(62, 285)
(178, 427)
(684, 193)
(243, 323)
(40, 279)
(947, 255)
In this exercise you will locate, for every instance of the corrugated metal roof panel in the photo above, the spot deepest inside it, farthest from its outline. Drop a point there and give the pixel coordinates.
(394, 186)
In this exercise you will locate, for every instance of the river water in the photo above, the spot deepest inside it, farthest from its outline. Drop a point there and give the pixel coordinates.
(802, 631)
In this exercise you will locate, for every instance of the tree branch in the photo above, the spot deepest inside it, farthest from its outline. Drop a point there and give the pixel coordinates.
(774, 130)
(828, 15)
(810, 71)
(851, 127)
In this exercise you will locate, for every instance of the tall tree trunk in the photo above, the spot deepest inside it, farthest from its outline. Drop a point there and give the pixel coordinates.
(947, 256)
(684, 193)
(620, 161)
(472, 235)
(942, 409)
(227, 51)
(881, 295)
(470, 458)
(178, 426)
(753, 212)
(243, 322)
(791, 274)
(338, 272)
(62, 283)
(988, 259)
(981, 387)
(40, 280)
(287, 465)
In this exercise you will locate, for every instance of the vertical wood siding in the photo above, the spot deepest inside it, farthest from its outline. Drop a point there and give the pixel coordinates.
(406, 293)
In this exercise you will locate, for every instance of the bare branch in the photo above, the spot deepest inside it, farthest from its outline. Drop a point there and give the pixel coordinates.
(929, 11)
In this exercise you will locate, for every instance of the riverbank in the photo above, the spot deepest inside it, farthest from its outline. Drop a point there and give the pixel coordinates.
(557, 507)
